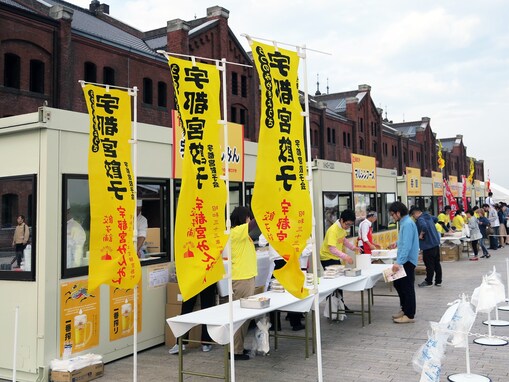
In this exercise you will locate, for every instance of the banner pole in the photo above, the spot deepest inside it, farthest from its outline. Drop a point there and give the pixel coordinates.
(15, 346)
(228, 253)
(302, 54)
(135, 227)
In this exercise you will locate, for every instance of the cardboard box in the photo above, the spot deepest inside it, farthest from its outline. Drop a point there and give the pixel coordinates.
(153, 240)
(420, 270)
(449, 253)
(173, 295)
(81, 375)
(173, 310)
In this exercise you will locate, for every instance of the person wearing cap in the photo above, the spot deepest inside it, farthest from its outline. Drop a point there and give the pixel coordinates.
(429, 243)
(142, 226)
(365, 241)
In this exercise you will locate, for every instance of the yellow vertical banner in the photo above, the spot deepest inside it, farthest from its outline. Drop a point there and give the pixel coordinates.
(413, 181)
(113, 258)
(235, 149)
(437, 183)
(363, 173)
(79, 317)
(200, 223)
(281, 201)
(122, 312)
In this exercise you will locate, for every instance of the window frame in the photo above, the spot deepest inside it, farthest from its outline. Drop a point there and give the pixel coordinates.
(11, 275)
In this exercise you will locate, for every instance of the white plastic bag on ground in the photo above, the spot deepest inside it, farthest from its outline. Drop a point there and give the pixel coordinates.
(261, 339)
(336, 304)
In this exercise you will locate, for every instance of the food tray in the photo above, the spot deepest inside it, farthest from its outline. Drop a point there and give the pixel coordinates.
(352, 272)
(255, 303)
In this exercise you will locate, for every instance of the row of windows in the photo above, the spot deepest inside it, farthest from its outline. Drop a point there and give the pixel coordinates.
(13, 72)
(90, 75)
(235, 85)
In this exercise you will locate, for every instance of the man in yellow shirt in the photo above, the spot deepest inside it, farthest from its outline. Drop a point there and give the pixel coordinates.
(458, 222)
(444, 219)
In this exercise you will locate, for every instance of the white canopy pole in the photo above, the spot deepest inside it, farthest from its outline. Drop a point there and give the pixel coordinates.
(228, 251)
(15, 346)
(302, 54)
(134, 142)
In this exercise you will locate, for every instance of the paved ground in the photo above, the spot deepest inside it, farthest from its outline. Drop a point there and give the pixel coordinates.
(381, 351)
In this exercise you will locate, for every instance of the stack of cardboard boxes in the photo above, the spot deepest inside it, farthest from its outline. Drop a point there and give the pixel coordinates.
(174, 308)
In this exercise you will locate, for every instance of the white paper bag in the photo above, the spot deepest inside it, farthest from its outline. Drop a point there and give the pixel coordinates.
(363, 261)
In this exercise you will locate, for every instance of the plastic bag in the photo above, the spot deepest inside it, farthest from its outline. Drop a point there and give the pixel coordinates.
(495, 281)
(428, 359)
(261, 338)
(336, 304)
(461, 324)
(484, 297)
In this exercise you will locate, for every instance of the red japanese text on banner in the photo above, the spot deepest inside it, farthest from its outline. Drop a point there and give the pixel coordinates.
(281, 201)
(113, 258)
(200, 223)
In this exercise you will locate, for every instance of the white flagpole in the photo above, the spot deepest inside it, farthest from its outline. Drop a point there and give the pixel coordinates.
(134, 142)
(228, 251)
(302, 54)
(15, 346)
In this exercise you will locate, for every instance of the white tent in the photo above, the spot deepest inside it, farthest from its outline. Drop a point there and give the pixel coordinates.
(500, 194)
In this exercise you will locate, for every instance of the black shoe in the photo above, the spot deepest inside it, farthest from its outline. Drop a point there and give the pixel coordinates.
(296, 328)
(483, 256)
(240, 357)
(424, 284)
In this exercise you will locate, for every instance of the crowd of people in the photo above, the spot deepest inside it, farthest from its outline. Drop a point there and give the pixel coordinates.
(418, 231)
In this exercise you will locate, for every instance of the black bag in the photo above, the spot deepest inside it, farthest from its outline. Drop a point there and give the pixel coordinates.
(489, 230)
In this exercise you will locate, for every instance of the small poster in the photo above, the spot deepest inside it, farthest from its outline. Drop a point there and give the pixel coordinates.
(122, 312)
(79, 317)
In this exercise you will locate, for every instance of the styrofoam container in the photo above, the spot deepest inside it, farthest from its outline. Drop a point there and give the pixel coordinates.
(254, 303)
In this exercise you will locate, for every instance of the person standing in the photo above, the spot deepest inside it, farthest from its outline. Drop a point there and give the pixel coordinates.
(429, 243)
(408, 252)
(244, 268)
(366, 244)
(475, 233)
(494, 223)
(483, 223)
(141, 228)
(20, 239)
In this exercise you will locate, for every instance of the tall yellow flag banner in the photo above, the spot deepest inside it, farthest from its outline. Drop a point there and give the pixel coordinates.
(281, 201)
(113, 258)
(200, 224)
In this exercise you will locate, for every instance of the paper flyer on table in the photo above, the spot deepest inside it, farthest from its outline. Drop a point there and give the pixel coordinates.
(389, 275)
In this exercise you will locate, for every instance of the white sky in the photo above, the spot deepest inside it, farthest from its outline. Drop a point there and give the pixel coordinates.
(447, 60)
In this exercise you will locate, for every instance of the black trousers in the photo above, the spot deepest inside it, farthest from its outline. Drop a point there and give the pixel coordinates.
(19, 253)
(207, 299)
(406, 291)
(431, 258)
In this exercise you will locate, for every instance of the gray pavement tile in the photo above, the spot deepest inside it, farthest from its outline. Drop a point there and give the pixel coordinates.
(381, 351)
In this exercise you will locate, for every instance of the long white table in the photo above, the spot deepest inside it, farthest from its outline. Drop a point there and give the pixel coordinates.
(216, 317)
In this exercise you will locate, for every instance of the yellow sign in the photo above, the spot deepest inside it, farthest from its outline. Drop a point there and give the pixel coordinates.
(413, 181)
(235, 149)
(438, 183)
(113, 258)
(281, 201)
(453, 184)
(363, 173)
(200, 222)
(478, 188)
(122, 312)
(385, 238)
(79, 317)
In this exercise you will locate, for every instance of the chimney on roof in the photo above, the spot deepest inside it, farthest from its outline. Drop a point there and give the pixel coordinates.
(96, 7)
(426, 119)
(217, 12)
(364, 88)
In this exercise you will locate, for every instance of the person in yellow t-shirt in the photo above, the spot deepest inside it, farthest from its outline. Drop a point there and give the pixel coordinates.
(332, 249)
(244, 268)
(458, 221)
(444, 219)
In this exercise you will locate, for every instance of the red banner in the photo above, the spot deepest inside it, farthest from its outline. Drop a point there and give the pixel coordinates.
(464, 192)
(451, 200)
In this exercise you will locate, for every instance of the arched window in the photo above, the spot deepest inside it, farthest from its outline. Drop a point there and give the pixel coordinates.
(90, 72)
(108, 75)
(12, 70)
(162, 96)
(37, 76)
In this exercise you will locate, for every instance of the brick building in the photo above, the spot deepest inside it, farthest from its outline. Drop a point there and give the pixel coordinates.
(47, 47)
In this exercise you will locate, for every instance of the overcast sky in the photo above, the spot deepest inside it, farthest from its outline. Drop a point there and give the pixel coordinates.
(447, 60)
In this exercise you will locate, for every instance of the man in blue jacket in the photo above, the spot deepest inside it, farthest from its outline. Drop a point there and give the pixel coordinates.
(408, 251)
(429, 242)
